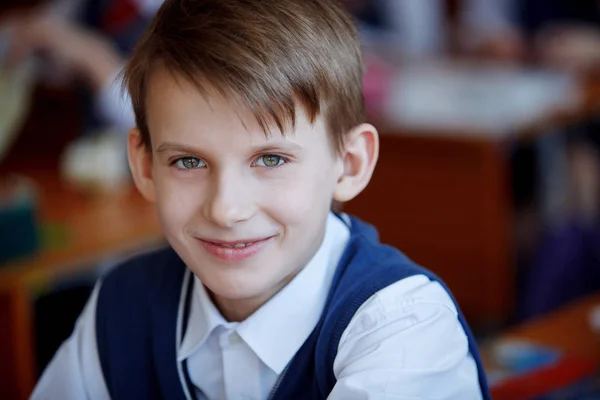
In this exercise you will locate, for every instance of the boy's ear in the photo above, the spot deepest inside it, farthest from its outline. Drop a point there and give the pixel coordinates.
(359, 157)
(140, 162)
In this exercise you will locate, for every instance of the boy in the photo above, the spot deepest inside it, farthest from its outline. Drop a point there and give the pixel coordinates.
(250, 124)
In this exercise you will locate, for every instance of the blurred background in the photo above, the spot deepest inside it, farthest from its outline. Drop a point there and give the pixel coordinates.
(489, 173)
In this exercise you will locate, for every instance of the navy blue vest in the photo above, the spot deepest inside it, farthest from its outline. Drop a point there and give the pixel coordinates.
(140, 320)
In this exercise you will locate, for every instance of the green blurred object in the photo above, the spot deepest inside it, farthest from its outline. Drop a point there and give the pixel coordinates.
(54, 236)
(19, 236)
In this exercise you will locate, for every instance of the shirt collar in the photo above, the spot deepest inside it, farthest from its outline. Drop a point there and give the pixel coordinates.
(277, 330)
(203, 319)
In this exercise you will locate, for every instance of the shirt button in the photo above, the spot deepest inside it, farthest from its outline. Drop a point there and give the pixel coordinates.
(234, 338)
(229, 338)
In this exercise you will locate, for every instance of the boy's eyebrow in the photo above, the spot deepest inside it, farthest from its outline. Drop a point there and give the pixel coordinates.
(279, 146)
(169, 147)
(174, 148)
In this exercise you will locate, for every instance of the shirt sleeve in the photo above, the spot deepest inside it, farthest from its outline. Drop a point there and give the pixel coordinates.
(114, 105)
(406, 342)
(75, 372)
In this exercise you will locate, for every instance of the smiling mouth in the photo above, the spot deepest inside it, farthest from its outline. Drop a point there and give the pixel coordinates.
(237, 245)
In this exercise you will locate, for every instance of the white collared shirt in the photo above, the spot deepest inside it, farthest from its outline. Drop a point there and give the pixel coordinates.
(405, 342)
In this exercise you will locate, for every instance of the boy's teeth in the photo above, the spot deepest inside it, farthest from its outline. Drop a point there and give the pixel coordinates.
(235, 246)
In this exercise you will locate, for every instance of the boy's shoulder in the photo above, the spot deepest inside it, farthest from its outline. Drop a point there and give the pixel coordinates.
(369, 266)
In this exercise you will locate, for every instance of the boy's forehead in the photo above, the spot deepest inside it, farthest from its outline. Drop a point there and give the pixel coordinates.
(174, 102)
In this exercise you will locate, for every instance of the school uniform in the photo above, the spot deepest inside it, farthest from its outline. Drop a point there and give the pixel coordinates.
(359, 321)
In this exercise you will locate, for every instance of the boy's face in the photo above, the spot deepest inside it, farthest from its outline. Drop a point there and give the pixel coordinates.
(245, 212)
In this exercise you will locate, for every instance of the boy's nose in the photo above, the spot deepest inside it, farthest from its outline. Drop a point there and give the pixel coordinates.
(229, 202)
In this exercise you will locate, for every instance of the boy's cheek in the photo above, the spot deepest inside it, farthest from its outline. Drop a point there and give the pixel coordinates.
(178, 204)
(297, 200)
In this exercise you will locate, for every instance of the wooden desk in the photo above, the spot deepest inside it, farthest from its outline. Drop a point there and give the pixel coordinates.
(567, 329)
(444, 198)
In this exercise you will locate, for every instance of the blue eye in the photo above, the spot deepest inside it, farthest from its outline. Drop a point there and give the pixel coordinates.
(270, 160)
(190, 163)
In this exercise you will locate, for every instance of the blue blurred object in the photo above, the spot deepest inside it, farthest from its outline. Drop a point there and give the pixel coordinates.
(19, 236)
(521, 356)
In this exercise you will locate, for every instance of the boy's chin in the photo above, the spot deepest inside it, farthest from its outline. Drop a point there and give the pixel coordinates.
(242, 292)
(242, 289)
